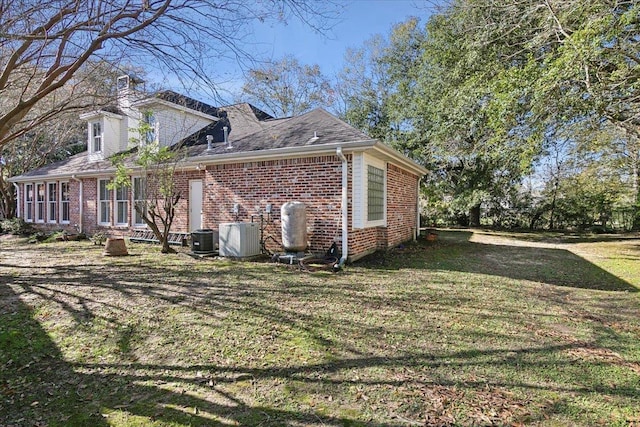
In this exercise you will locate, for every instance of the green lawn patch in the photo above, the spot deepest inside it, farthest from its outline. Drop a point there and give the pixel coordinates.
(476, 328)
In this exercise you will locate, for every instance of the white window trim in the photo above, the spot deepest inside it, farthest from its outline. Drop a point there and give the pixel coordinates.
(32, 210)
(360, 184)
(36, 202)
(48, 203)
(115, 208)
(100, 200)
(60, 184)
(92, 136)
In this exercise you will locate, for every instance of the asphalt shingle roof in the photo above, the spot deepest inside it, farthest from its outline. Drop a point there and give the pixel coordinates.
(313, 128)
(249, 129)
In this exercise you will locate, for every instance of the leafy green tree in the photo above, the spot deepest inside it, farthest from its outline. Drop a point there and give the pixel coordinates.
(580, 69)
(364, 90)
(443, 100)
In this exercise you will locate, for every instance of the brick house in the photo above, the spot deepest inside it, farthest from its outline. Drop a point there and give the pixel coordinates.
(240, 161)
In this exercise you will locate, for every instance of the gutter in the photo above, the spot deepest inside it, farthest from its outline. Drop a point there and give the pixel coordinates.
(274, 153)
(345, 210)
(192, 163)
(81, 201)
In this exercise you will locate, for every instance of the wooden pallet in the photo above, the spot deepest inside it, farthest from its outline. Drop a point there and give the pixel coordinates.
(147, 236)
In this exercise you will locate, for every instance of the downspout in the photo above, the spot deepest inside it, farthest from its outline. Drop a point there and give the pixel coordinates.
(18, 200)
(81, 202)
(417, 233)
(345, 210)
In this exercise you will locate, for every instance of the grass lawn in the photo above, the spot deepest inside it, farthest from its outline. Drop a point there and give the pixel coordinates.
(478, 328)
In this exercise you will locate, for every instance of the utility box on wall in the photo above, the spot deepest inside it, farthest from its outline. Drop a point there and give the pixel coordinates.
(239, 239)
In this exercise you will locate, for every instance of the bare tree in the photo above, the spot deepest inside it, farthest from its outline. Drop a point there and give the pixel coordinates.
(287, 88)
(44, 45)
(62, 135)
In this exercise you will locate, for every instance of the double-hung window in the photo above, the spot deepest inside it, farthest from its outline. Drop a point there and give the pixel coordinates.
(65, 203)
(104, 202)
(122, 205)
(40, 200)
(52, 201)
(151, 124)
(96, 137)
(28, 202)
(139, 201)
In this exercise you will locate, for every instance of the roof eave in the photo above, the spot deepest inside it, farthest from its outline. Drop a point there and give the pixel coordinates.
(274, 153)
(196, 162)
(330, 148)
(405, 161)
(99, 113)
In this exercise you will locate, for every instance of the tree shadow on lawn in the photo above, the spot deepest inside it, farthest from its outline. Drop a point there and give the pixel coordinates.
(78, 393)
(38, 387)
(558, 237)
(454, 251)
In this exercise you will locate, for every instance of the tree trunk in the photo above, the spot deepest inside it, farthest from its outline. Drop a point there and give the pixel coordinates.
(474, 216)
(7, 199)
(166, 249)
(534, 219)
(556, 187)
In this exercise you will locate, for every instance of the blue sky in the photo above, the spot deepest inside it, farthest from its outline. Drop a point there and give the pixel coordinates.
(359, 21)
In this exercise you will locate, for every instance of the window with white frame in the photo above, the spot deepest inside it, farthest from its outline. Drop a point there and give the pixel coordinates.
(122, 205)
(65, 203)
(151, 127)
(139, 185)
(52, 201)
(40, 200)
(375, 193)
(369, 191)
(28, 202)
(104, 202)
(96, 137)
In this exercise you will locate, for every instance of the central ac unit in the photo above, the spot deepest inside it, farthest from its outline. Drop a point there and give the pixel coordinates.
(239, 239)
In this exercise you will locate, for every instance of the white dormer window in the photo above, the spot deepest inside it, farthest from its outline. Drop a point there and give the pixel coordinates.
(96, 137)
(151, 123)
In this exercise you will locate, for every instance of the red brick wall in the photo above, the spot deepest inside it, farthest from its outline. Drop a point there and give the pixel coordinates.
(402, 190)
(181, 220)
(90, 208)
(315, 181)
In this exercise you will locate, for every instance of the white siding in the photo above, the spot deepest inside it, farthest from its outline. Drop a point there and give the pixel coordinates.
(358, 188)
(175, 125)
(360, 184)
(111, 136)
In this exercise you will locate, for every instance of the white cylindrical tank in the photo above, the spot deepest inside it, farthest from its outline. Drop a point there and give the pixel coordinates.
(293, 218)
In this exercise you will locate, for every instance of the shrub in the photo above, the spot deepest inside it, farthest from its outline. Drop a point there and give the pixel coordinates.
(16, 226)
